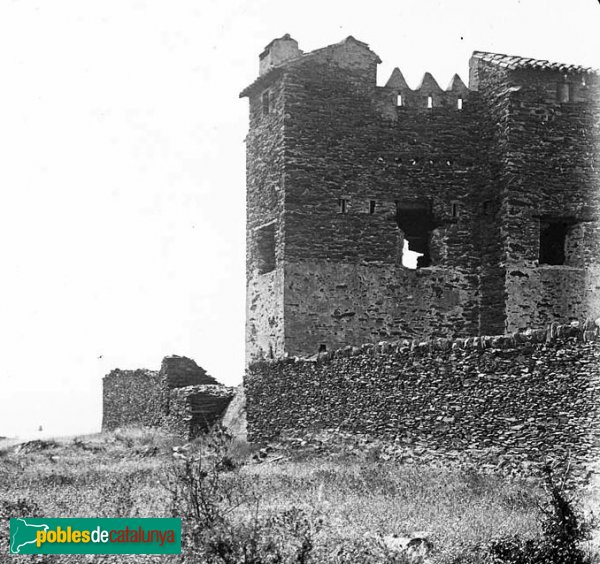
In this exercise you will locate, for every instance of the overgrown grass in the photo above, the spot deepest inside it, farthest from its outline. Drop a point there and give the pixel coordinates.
(130, 473)
(458, 509)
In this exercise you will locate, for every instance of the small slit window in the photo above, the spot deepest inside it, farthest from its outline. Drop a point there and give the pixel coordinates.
(266, 103)
(342, 205)
(372, 206)
(459, 104)
(487, 208)
(430, 102)
(265, 248)
(455, 209)
(399, 100)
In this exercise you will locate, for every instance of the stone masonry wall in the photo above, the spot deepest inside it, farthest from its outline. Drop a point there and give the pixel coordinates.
(179, 371)
(523, 396)
(132, 397)
(345, 138)
(547, 156)
(264, 206)
(349, 303)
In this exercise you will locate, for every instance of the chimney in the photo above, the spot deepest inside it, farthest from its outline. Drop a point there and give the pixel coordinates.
(278, 52)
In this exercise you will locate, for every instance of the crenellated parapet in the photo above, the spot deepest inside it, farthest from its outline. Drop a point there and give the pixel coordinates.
(427, 96)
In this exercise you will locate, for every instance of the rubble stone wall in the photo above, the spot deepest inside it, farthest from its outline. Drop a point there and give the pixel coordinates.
(523, 396)
(344, 281)
(264, 207)
(132, 397)
(545, 155)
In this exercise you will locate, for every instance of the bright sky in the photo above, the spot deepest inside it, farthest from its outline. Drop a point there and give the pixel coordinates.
(122, 183)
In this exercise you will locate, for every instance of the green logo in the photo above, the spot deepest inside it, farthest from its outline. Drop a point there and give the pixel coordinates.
(95, 536)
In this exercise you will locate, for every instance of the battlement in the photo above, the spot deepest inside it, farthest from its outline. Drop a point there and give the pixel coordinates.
(428, 95)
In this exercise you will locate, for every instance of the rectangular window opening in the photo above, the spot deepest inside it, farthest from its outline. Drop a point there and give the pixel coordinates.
(416, 223)
(455, 209)
(487, 207)
(266, 103)
(342, 205)
(322, 348)
(372, 206)
(553, 235)
(430, 101)
(459, 103)
(399, 100)
(265, 248)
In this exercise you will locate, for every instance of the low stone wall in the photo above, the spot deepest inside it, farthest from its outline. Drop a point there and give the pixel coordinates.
(132, 397)
(524, 396)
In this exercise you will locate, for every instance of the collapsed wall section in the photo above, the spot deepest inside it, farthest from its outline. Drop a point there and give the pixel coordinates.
(525, 396)
(193, 410)
(179, 371)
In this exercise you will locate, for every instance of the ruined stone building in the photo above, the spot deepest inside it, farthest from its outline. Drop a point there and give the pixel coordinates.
(495, 186)
(180, 398)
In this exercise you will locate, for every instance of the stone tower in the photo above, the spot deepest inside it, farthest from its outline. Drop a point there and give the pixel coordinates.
(382, 212)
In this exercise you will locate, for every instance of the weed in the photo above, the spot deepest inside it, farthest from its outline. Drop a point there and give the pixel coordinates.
(132, 436)
(563, 531)
(223, 522)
